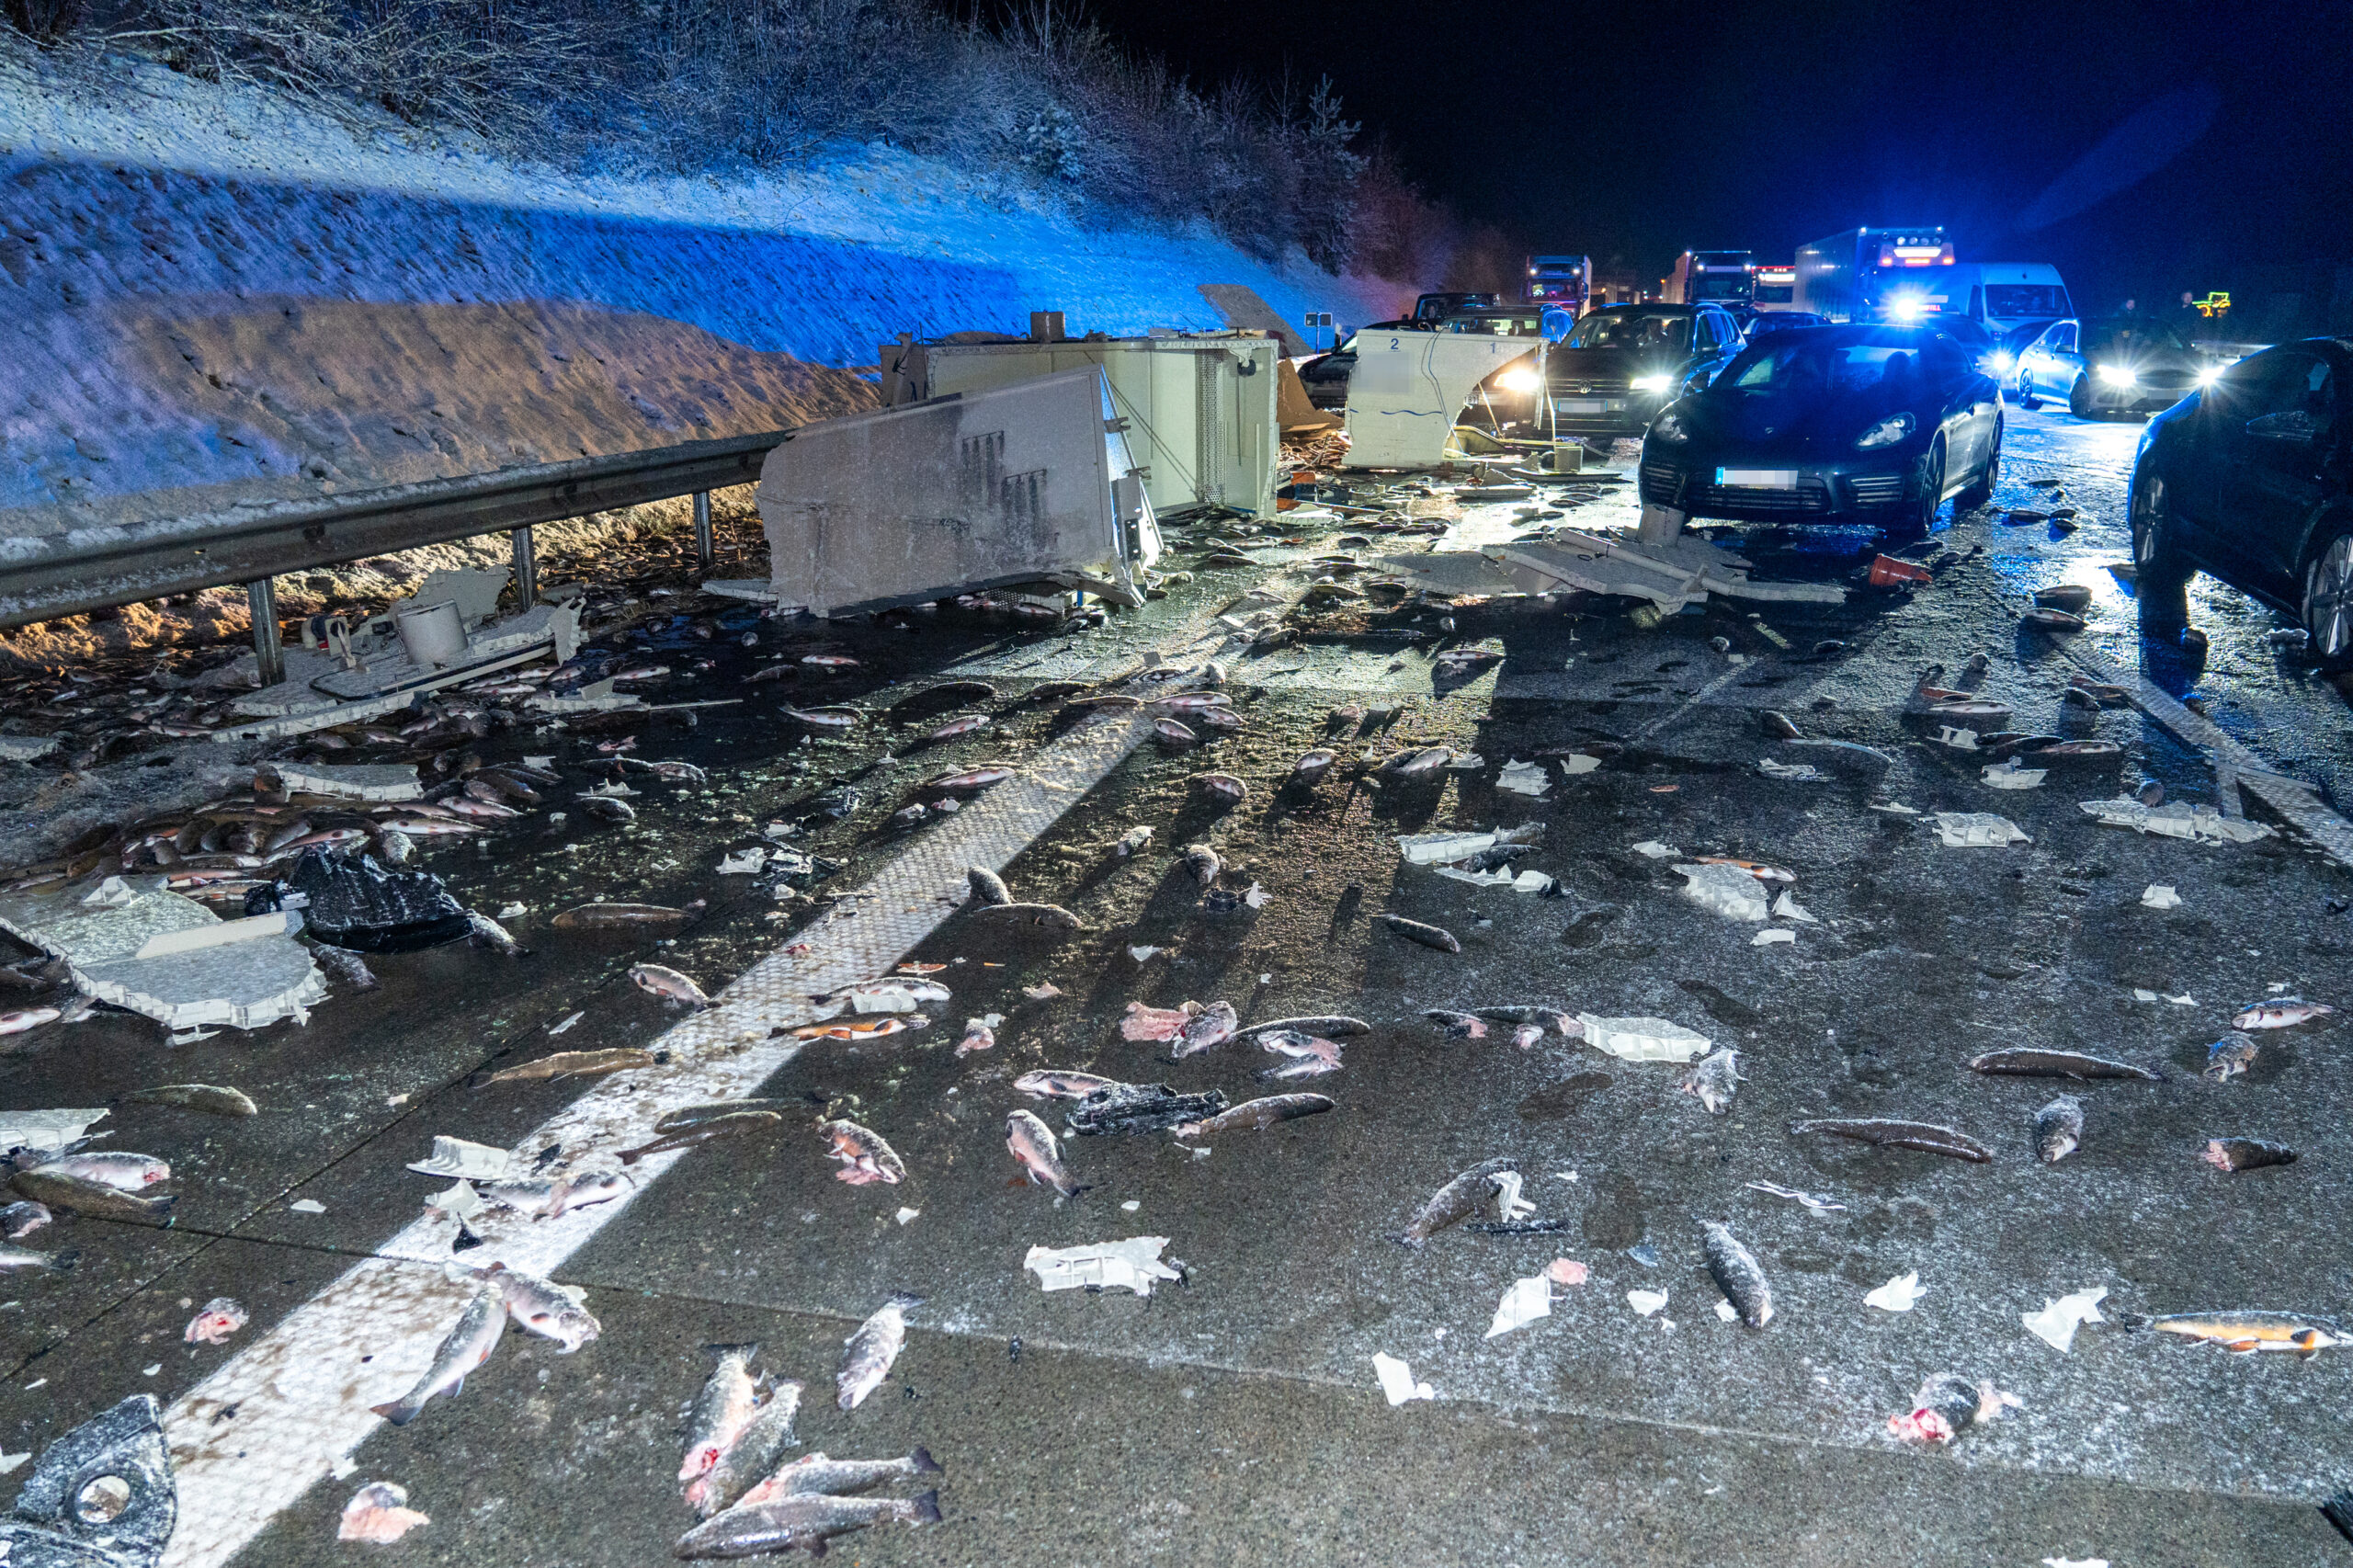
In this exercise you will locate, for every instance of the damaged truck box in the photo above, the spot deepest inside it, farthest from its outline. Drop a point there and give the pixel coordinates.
(129, 942)
(1407, 387)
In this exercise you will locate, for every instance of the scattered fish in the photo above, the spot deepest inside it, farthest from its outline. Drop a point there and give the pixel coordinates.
(1714, 1078)
(816, 1475)
(1427, 936)
(22, 1018)
(978, 1036)
(1212, 1026)
(875, 1345)
(343, 964)
(807, 1521)
(752, 1455)
(1048, 1084)
(2031, 1063)
(1457, 1200)
(1168, 731)
(485, 932)
(614, 916)
(2247, 1333)
(1124, 1108)
(572, 1064)
(824, 718)
(215, 1321)
(1319, 1024)
(21, 1220)
(213, 1099)
(1458, 1025)
(118, 1169)
(466, 1346)
(1259, 1115)
(1417, 764)
(1203, 862)
(1313, 766)
(1053, 916)
(1033, 1143)
(972, 780)
(667, 983)
(2246, 1154)
(1926, 1137)
(866, 1157)
(2230, 1056)
(987, 886)
(1221, 787)
(955, 727)
(2058, 1130)
(691, 1116)
(1133, 842)
(2281, 1013)
(863, 1029)
(734, 1124)
(544, 1308)
(1737, 1274)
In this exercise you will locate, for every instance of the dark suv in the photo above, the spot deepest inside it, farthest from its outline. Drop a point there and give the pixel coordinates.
(1624, 363)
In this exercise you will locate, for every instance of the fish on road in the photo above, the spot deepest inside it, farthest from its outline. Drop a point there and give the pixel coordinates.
(871, 1350)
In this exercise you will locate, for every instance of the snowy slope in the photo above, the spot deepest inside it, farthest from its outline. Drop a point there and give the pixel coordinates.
(213, 296)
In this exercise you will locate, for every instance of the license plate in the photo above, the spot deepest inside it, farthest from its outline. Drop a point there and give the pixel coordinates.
(1760, 478)
(1588, 405)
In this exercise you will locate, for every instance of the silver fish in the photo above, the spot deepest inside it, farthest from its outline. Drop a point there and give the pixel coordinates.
(1736, 1272)
(1311, 1055)
(466, 1346)
(2230, 1056)
(873, 1347)
(1417, 764)
(1427, 936)
(24, 1257)
(865, 1157)
(720, 1411)
(118, 1169)
(1203, 862)
(807, 1521)
(1456, 1201)
(1214, 1025)
(668, 984)
(2279, 1013)
(751, 1456)
(210, 1098)
(1033, 1143)
(1259, 1115)
(550, 1310)
(485, 932)
(1714, 1078)
(816, 1474)
(1221, 786)
(2058, 1129)
(1313, 766)
(1047, 1084)
(19, 1221)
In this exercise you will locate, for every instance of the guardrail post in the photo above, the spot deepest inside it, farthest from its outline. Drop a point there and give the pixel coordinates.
(269, 654)
(704, 554)
(527, 570)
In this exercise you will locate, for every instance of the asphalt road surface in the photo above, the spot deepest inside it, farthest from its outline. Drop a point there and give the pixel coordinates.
(1235, 1413)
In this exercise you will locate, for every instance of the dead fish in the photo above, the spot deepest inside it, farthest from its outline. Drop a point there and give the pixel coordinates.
(1351, 714)
(2244, 1334)
(1543, 1017)
(345, 964)
(690, 1115)
(1033, 1143)
(1778, 725)
(572, 1064)
(987, 886)
(1259, 1115)
(2246, 1154)
(544, 1308)
(546, 1199)
(1947, 1405)
(1051, 916)
(1222, 787)
(21, 1220)
(955, 727)
(119, 1169)
(485, 932)
(751, 1456)
(607, 807)
(824, 718)
(614, 916)
(1427, 936)
(734, 1124)
(1212, 1026)
(1456, 1201)
(972, 780)
(978, 1036)
(18, 1020)
(1737, 1274)
(1322, 1023)
(1133, 842)
(807, 1521)
(1203, 862)
(1417, 764)
(864, 1028)
(866, 1157)
(1047, 1084)
(2031, 1063)
(2230, 1056)
(2055, 620)
(1141, 1022)
(1772, 876)
(1455, 663)
(466, 1346)
(2073, 597)
(1926, 1137)
(1224, 719)
(213, 1099)
(2058, 1130)
(948, 694)
(829, 661)
(667, 983)
(1313, 766)
(1100, 701)
(816, 1475)
(1714, 1078)
(722, 1410)
(875, 1345)
(1458, 1025)
(1311, 1055)
(2279, 1013)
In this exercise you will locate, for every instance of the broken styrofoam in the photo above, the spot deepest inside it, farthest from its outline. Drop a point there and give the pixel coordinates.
(2199, 825)
(1772, 936)
(2074, 1563)
(1656, 850)
(1641, 1039)
(2056, 1324)
(1527, 1301)
(376, 781)
(1502, 876)
(1407, 387)
(2008, 775)
(743, 862)
(459, 1201)
(2160, 895)
(1978, 830)
(219, 934)
(1510, 1207)
(1791, 773)
(1397, 1382)
(26, 748)
(1898, 1295)
(45, 1130)
(457, 1157)
(1130, 1264)
(101, 931)
(1670, 573)
(1524, 779)
(904, 1215)
(1646, 1302)
(1787, 907)
(1440, 848)
(1727, 890)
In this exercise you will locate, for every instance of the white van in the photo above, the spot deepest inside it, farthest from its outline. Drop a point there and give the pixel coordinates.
(2003, 295)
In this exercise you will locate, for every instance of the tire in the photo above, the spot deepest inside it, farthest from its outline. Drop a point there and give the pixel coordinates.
(1922, 517)
(2326, 609)
(2161, 571)
(1981, 490)
(2027, 400)
(2079, 399)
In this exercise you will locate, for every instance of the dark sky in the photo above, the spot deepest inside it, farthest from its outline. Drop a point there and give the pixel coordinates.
(2165, 144)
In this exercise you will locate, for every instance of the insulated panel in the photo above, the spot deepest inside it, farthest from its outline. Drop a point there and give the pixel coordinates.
(1408, 388)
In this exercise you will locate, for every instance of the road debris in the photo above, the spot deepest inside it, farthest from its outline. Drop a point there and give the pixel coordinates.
(2056, 1324)
(1977, 830)
(1397, 1384)
(378, 1515)
(1458, 1200)
(1131, 1265)
(215, 1321)
(1640, 1040)
(1926, 1137)
(1527, 1301)
(1946, 1406)
(2245, 1334)
(2028, 1063)
(2199, 825)
(872, 1348)
(1898, 1295)
(2279, 1013)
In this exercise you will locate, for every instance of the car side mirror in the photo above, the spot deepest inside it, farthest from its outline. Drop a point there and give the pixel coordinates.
(2293, 427)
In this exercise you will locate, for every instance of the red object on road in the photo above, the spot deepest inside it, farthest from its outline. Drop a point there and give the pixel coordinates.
(1888, 571)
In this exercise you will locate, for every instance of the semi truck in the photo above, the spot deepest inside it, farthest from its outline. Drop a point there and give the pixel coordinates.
(1775, 288)
(1563, 281)
(1873, 275)
(1710, 277)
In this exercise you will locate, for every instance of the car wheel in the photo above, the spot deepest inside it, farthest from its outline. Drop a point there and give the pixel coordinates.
(1982, 490)
(2079, 399)
(1921, 516)
(2027, 400)
(2160, 570)
(2328, 597)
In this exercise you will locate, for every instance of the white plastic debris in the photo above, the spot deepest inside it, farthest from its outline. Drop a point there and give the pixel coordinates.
(1527, 1301)
(1954, 737)
(1657, 851)
(460, 1201)
(10, 1461)
(1792, 772)
(1895, 808)
(1145, 955)
(2074, 1563)
(1397, 1380)
(1897, 1295)
(1787, 907)
(45, 1130)
(1646, 1302)
(743, 862)
(1524, 779)
(307, 1206)
(2010, 776)
(1134, 1263)
(457, 1157)
(2176, 819)
(1131, 1205)
(1579, 761)
(906, 1214)
(1772, 935)
(112, 892)
(1498, 878)
(1978, 830)
(1641, 1039)
(1727, 890)
(543, 764)
(558, 1029)
(1257, 897)
(2160, 895)
(2056, 1324)
(1509, 1205)
(1440, 848)
(1727, 1312)
(513, 910)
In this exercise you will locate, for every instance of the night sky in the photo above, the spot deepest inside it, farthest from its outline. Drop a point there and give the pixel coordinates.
(2141, 148)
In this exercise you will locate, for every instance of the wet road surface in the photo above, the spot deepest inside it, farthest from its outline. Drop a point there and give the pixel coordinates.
(1236, 1413)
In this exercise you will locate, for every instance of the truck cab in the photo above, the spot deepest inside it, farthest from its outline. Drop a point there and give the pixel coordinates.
(1431, 309)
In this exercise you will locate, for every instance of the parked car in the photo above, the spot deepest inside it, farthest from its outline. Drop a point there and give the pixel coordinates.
(1624, 363)
(2251, 479)
(1756, 324)
(2120, 365)
(1833, 424)
(2003, 366)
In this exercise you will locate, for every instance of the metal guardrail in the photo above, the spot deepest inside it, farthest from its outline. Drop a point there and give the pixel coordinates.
(77, 572)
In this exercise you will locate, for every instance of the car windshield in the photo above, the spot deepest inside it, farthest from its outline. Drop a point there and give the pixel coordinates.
(1839, 363)
(2017, 337)
(2130, 334)
(1657, 331)
(2008, 302)
(1970, 334)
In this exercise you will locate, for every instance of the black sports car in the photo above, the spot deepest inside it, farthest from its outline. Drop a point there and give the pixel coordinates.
(1832, 423)
(2251, 479)
(1623, 363)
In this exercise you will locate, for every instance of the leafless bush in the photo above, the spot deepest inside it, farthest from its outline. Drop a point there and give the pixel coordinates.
(46, 21)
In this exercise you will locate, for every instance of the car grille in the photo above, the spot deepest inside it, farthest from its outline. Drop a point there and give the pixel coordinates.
(1805, 498)
(1662, 485)
(1876, 489)
(2168, 381)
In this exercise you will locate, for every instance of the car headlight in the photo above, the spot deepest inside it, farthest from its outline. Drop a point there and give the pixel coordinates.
(1999, 363)
(1669, 429)
(2118, 375)
(1519, 378)
(1887, 432)
(2209, 375)
(1654, 384)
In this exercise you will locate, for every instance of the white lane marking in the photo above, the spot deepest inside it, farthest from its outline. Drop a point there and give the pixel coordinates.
(301, 1394)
